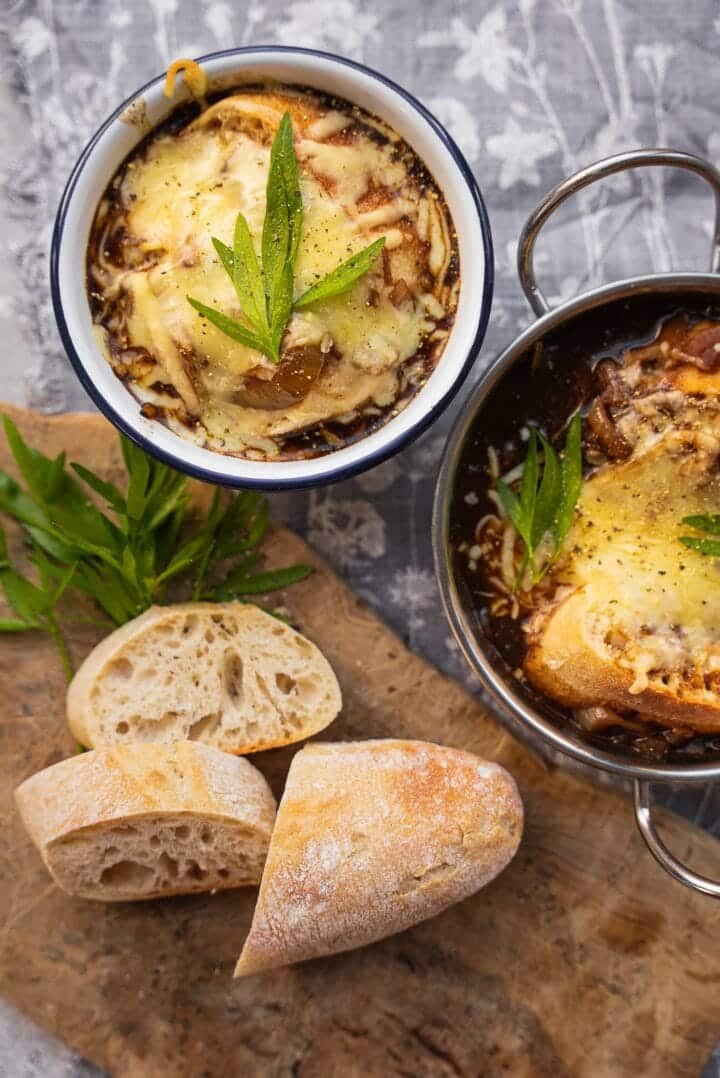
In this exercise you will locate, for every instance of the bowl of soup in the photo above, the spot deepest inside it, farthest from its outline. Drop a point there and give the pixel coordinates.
(142, 251)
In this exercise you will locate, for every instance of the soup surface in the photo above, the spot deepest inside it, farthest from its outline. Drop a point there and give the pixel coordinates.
(347, 363)
(618, 635)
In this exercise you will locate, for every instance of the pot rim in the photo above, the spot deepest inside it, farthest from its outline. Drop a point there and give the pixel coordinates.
(501, 688)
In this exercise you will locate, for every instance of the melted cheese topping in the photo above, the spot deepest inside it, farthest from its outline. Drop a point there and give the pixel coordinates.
(187, 187)
(653, 600)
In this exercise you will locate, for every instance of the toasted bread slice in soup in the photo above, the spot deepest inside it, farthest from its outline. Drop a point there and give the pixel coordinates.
(633, 624)
(372, 837)
(145, 821)
(226, 674)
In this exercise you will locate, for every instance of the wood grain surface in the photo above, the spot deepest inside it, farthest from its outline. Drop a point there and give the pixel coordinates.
(583, 958)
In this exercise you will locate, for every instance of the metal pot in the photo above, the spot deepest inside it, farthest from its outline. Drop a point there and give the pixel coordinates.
(505, 692)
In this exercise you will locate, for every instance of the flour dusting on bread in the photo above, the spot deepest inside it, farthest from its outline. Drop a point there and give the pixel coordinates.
(372, 837)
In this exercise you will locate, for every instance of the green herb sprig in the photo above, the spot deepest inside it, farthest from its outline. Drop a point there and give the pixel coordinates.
(545, 503)
(265, 292)
(709, 525)
(125, 558)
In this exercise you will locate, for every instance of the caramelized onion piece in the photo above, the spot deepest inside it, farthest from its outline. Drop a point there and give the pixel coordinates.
(299, 369)
(597, 718)
(611, 441)
(614, 391)
(400, 294)
(701, 347)
(136, 362)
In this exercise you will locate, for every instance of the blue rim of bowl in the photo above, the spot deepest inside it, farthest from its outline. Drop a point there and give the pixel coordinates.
(342, 472)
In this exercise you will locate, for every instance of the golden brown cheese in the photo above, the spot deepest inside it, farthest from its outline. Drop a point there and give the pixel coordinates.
(645, 605)
(357, 184)
(654, 600)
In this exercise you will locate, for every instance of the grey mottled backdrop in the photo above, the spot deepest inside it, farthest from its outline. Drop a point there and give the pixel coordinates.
(531, 90)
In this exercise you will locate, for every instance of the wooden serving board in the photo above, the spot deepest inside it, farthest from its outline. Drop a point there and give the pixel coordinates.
(583, 958)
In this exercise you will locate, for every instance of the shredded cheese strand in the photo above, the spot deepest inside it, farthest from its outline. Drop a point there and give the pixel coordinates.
(195, 78)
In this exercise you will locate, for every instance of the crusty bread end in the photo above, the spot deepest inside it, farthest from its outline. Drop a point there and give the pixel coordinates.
(372, 837)
(569, 661)
(143, 821)
(225, 674)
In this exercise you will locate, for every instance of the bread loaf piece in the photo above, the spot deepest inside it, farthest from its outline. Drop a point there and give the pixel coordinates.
(372, 837)
(227, 674)
(143, 821)
(570, 659)
(633, 625)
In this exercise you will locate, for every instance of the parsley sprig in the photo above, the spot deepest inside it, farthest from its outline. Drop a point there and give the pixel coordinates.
(545, 503)
(124, 558)
(265, 292)
(709, 525)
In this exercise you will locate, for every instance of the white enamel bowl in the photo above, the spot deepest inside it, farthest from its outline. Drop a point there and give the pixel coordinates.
(116, 139)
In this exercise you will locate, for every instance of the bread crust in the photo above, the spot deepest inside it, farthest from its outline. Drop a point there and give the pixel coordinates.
(566, 663)
(259, 716)
(372, 837)
(89, 794)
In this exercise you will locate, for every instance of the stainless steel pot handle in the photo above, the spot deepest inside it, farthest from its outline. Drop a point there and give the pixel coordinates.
(659, 850)
(601, 169)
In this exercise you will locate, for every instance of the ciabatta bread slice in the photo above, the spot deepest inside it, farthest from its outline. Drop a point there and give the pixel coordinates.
(577, 657)
(633, 625)
(226, 674)
(144, 821)
(372, 837)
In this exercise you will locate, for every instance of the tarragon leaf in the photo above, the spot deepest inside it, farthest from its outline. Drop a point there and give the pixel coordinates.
(229, 326)
(548, 494)
(344, 277)
(277, 237)
(511, 505)
(138, 477)
(122, 566)
(54, 477)
(32, 465)
(571, 476)
(108, 491)
(247, 277)
(260, 583)
(266, 296)
(226, 256)
(704, 523)
(549, 507)
(703, 546)
(528, 485)
(282, 306)
(14, 625)
(233, 532)
(225, 590)
(26, 600)
(291, 179)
